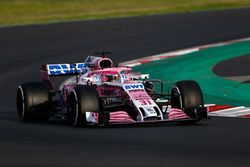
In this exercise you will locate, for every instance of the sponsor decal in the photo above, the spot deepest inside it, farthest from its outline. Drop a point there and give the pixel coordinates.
(97, 78)
(133, 86)
(150, 110)
(59, 69)
(125, 77)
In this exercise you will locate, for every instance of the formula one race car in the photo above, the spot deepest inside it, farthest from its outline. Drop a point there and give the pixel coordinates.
(97, 93)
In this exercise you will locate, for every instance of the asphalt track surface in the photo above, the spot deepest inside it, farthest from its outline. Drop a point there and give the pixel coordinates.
(216, 142)
(225, 68)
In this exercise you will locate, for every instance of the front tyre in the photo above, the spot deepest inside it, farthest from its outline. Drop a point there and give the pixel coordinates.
(32, 101)
(187, 95)
(82, 99)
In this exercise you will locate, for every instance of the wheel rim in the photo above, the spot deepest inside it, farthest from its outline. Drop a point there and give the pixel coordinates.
(176, 97)
(73, 109)
(20, 103)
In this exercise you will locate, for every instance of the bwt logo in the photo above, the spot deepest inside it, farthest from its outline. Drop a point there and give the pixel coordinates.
(134, 86)
(57, 69)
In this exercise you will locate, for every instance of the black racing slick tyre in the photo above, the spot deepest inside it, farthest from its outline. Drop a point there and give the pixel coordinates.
(83, 98)
(187, 95)
(32, 101)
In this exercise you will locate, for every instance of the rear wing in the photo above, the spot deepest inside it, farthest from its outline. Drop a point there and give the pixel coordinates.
(64, 69)
(49, 71)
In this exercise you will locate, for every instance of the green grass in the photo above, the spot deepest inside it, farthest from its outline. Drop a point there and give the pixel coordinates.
(20, 12)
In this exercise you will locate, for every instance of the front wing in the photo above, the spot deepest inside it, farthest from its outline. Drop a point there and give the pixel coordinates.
(122, 118)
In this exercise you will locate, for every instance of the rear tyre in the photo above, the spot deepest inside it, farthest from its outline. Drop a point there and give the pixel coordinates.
(82, 99)
(187, 95)
(32, 101)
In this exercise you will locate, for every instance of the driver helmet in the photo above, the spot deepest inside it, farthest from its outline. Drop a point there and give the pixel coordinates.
(110, 77)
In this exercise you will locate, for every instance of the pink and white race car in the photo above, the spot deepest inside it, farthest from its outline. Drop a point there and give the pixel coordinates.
(97, 93)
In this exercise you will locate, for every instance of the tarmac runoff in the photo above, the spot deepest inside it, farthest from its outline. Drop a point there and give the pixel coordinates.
(224, 96)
